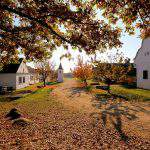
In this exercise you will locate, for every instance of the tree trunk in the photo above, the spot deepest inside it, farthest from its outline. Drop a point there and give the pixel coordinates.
(44, 82)
(109, 88)
(85, 83)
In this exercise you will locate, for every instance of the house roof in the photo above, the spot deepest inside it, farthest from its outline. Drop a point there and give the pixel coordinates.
(11, 68)
(118, 64)
(60, 66)
(140, 48)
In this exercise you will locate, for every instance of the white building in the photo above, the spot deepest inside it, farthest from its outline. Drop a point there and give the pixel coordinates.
(60, 74)
(16, 75)
(142, 63)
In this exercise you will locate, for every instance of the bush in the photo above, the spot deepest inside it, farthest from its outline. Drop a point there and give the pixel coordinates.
(88, 88)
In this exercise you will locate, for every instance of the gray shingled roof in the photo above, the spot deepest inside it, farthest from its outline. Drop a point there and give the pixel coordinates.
(11, 68)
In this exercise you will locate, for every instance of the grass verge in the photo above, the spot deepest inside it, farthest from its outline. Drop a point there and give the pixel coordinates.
(131, 94)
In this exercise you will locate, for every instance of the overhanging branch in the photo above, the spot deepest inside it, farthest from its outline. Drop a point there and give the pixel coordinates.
(40, 22)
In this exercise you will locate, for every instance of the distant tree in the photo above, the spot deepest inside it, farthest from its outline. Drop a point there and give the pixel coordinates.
(45, 69)
(83, 71)
(112, 71)
(53, 75)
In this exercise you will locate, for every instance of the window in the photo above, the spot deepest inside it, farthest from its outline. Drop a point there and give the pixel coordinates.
(20, 80)
(23, 79)
(145, 74)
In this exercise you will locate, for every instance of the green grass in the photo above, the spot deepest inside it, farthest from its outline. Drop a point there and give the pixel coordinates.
(131, 94)
(88, 88)
(128, 92)
(26, 92)
(28, 87)
(51, 83)
(39, 101)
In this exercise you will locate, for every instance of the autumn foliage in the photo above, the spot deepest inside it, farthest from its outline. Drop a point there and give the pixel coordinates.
(37, 27)
(133, 13)
(45, 69)
(145, 33)
(83, 71)
(115, 70)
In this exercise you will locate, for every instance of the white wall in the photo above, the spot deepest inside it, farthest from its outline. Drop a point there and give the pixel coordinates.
(141, 57)
(22, 85)
(142, 62)
(12, 79)
(8, 79)
(23, 68)
(60, 75)
(143, 83)
(22, 72)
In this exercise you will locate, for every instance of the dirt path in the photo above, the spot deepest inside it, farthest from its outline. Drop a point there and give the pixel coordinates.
(132, 118)
(70, 94)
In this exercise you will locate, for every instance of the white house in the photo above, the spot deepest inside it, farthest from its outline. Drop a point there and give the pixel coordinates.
(60, 74)
(142, 64)
(16, 75)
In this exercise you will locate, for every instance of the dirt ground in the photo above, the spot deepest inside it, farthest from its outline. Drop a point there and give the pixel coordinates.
(134, 117)
(69, 118)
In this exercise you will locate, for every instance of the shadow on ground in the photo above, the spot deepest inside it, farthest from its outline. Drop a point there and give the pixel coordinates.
(112, 110)
(76, 91)
(16, 95)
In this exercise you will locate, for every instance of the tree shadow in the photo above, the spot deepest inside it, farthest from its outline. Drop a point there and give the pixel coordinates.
(17, 95)
(112, 110)
(129, 86)
(24, 92)
(76, 91)
(141, 109)
(9, 98)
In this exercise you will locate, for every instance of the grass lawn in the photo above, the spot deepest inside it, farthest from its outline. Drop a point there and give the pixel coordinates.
(131, 94)
(36, 96)
(29, 90)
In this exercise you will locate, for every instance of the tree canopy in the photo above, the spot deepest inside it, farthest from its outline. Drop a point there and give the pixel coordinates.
(113, 70)
(83, 71)
(37, 27)
(133, 13)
